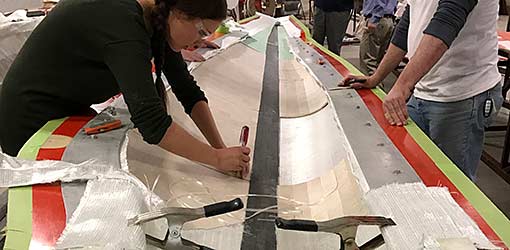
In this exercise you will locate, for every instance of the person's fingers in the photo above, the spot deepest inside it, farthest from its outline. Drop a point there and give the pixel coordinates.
(209, 44)
(358, 85)
(392, 119)
(388, 112)
(245, 158)
(235, 172)
(401, 112)
(359, 82)
(346, 80)
(236, 166)
(386, 105)
(388, 118)
(245, 172)
(244, 165)
(400, 117)
(212, 45)
(245, 150)
(186, 55)
(195, 57)
(199, 58)
(395, 113)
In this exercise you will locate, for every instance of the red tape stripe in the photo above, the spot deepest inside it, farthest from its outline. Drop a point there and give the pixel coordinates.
(48, 215)
(48, 209)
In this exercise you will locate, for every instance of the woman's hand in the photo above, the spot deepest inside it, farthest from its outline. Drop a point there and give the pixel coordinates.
(192, 56)
(209, 44)
(235, 159)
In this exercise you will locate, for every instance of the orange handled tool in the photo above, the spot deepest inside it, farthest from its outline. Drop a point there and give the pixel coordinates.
(104, 127)
(103, 122)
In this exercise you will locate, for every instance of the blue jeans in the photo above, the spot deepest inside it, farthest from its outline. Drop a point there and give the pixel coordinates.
(457, 128)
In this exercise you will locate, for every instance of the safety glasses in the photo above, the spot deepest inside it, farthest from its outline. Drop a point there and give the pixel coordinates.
(202, 31)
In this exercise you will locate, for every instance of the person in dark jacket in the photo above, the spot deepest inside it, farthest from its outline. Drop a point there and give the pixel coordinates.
(85, 52)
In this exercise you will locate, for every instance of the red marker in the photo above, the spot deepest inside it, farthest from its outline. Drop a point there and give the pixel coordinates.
(243, 139)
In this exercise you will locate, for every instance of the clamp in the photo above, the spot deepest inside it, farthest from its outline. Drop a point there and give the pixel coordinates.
(345, 227)
(177, 216)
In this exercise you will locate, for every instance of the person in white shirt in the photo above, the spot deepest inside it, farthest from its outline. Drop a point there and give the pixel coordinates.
(451, 80)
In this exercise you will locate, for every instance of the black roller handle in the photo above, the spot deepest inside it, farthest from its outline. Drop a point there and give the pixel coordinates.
(298, 225)
(34, 13)
(223, 207)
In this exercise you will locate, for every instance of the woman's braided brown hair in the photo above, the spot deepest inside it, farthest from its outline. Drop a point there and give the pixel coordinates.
(203, 9)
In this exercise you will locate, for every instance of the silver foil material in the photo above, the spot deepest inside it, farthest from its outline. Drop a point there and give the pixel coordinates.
(17, 172)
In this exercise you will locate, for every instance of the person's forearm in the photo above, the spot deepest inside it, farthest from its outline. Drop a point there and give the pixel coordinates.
(201, 115)
(391, 60)
(429, 51)
(180, 142)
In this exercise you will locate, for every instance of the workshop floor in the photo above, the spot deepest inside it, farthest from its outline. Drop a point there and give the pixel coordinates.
(489, 182)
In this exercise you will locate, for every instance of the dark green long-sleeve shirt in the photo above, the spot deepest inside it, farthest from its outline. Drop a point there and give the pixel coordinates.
(82, 53)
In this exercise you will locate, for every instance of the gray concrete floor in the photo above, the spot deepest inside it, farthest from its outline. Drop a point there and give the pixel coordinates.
(489, 182)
